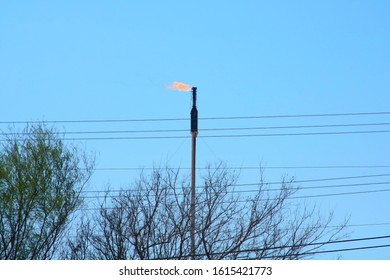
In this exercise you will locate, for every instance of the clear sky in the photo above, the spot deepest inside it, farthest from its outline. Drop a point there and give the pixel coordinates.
(111, 60)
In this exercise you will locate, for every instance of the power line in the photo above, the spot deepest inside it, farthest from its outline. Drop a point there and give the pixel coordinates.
(97, 121)
(351, 225)
(204, 118)
(219, 136)
(249, 167)
(316, 244)
(332, 242)
(322, 187)
(320, 180)
(364, 225)
(339, 194)
(292, 197)
(331, 251)
(256, 190)
(229, 135)
(204, 129)
(250, 250)
(322, 167)
(298, 181)
(295, 134)
(297, 126)
(315, 187)
(298, 116)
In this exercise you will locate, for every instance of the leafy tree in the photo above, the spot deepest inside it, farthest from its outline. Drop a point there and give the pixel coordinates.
(40, 183)
(152, 221)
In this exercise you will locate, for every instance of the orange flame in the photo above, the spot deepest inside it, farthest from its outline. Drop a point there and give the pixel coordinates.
(179, 86)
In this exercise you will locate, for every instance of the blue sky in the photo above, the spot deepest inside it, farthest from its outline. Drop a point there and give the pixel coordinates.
(110, 60)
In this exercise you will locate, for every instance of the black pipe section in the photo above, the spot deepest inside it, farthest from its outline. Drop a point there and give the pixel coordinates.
(194, 112)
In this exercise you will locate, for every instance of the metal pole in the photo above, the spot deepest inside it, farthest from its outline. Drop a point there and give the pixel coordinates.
(194, 133)
(193, 196)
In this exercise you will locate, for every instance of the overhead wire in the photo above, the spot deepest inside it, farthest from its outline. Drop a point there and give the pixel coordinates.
(328, 251)
(143, 137)
(266, 199)
(257, 249)
(217, 136)
(298, 181)
(252, 190)
(202, 118)
(320, 179)
(249, 167)
(295, 134)
(309, 252)
(205, 129)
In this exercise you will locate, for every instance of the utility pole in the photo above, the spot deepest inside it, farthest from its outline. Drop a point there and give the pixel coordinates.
(194, 133)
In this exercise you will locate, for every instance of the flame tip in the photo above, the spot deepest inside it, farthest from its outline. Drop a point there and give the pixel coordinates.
(179, 86)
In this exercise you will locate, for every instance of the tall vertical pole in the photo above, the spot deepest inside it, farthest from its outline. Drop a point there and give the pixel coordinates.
(194, 133)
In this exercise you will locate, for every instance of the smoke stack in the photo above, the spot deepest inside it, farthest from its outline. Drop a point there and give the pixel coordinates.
(194, 113)
(194, 132)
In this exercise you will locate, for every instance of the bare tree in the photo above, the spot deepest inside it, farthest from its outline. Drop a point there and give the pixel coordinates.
(152, 221)
(40, 184)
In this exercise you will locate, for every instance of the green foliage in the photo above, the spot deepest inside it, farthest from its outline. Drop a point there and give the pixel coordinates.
(40, 184)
